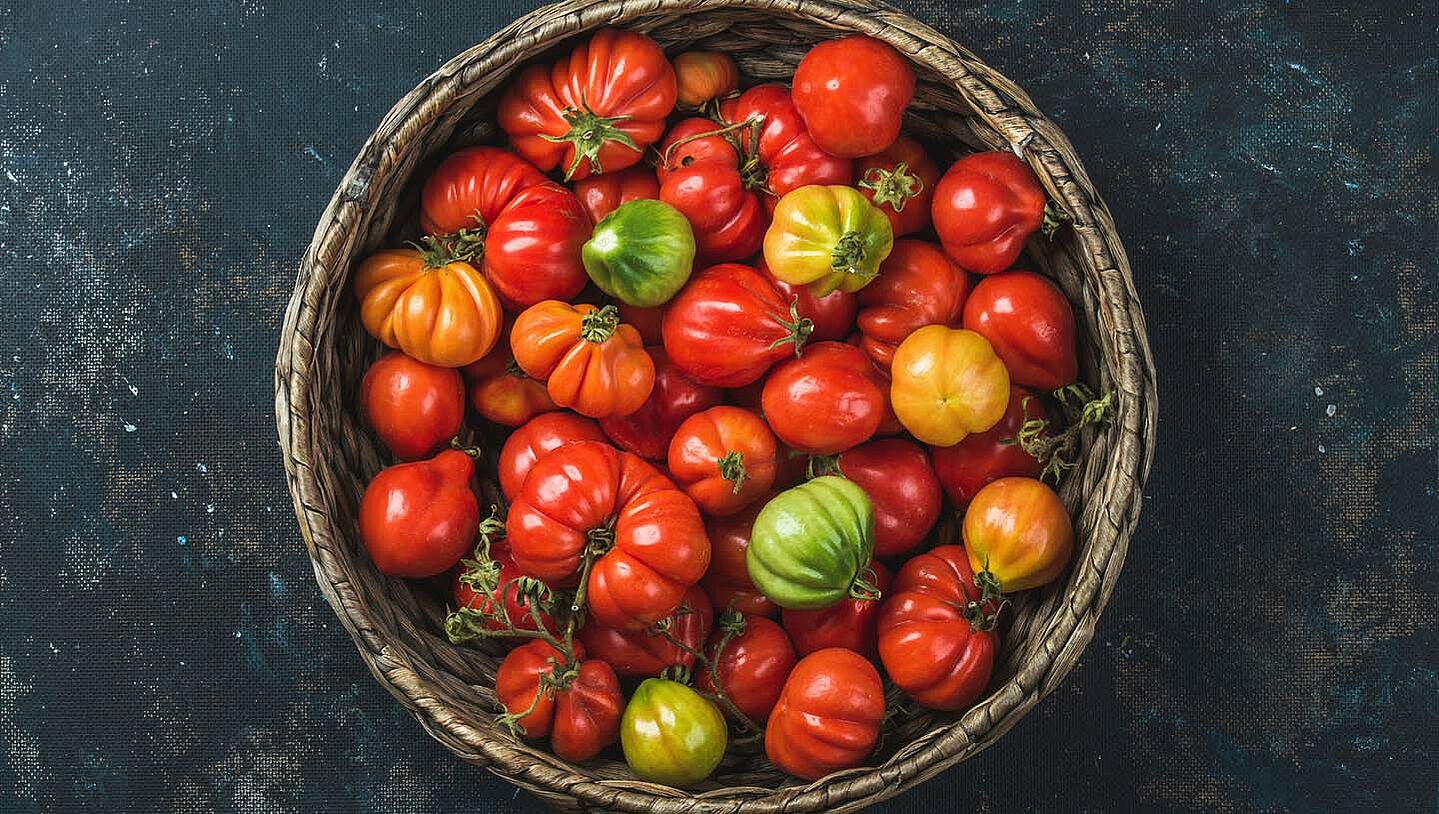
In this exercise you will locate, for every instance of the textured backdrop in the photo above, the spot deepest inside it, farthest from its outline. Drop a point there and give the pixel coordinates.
(1271, 645)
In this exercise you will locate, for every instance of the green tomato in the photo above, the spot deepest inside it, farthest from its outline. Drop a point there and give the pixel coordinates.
(671, 734)
(810, 543)
(642, 253)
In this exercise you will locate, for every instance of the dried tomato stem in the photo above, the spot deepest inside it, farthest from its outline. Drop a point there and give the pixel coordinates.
(731, 468)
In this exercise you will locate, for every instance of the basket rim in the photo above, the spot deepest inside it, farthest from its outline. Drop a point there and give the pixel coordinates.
(1009, 112)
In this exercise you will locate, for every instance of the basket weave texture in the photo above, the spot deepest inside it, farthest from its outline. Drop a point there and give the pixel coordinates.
(961, 105)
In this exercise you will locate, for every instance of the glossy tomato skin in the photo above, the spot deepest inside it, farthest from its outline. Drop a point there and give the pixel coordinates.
(727, 581)
(415, 408)
(671, 734)
(729, 326)
(589, 495)
(790, 157)
(833, 314)
(917, 286)
(828, 238)
(645, 320)
(703, 76)
(438, 311)
(926, 640)
(581, 719)
(574, 113)
(985, 207)
(724, 458)
(502, 393)
(966, 467)
(644, 653)
(901, 483)
(828, 715)
(752, 667)
(418, 519)
(826, 401)
(505, 593)
(589, 360)
(1018, 531)
(900, 181)
(946, 384)
(700, 175)
(536, 438)
(603, 194)
(1030, 323)
(642, 253)
(647, 431)
(849, 625)
(810, 544)
(852, 93)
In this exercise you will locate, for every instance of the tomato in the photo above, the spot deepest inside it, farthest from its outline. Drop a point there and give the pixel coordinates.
(642, 253)
(985, 207)
(727, 581)
(704, 76)
(578, 707)
(523, 230)
(730, 325)
(1031, 326)
(418, 519)
(897, 476)
(647, 431)
(505, 594)
(827, 237)
(724, 458)
(826, 401)
(752, 666)
(852, 93)
(536, 438)
(850, 624)
(828, 715)
(671, 734)
(947, 383)
(603, 194)
(832, 315)
(642, 653)
(788, 157)
(935, 644)
(966, 467)
(501, 392)
(415, 408)
(645, 320)
(917, 286)
(1018, 535)
(439, 311)
(810, 544)
(591, 514)
(900, 180)
(703, 176)
(589, 360)
(595, 109)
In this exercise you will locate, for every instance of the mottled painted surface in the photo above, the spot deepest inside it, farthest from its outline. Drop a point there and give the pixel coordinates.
(1272, 644)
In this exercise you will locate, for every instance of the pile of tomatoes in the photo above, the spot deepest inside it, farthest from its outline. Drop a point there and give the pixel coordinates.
(738, 359)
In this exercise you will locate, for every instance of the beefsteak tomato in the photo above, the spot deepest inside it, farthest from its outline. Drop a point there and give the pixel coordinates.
(537, 438)
(418, 519)
(826, 401)
(1030, 323)
(966, 467)
(436, 309)
(850, 624)
(578, 705)
(1018, 535)
(415, 408)
(900, 180)
(917, 286)
(589, 360)
(730, 325)
(947, 383)
(724, 458)
(828, 715)
(810, 544)
(642, 253)
(828, 238)
(788, 157)
(985, 207)
(703, 175)
(852, 93)
(647, 431)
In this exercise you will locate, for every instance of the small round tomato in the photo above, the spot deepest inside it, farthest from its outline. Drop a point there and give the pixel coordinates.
(436, 309)
(704, 76)
(724, 457)
(1031, 326)
(671, 734)
(415, 408)
(826, 401)
(900, 482)
(730, 325)
(534, 439)
(642, 253)
(589, 360)
(505, 595)
(947, 383)
(810, 544)
(643, 653)
(1018, 535)
(985, 207)
(500, 392)
(752, 666)
(727, 581)
(900, 181)
(603, 194)
(966, 467)
(828, 238)
(578, 706)
(917, 286)
(850, 624)
(647, 431)
(828, 715)
(852, 93)
(832, 315)
(418, 519)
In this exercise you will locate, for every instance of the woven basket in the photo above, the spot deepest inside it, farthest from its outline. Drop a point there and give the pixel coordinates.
(961, 105)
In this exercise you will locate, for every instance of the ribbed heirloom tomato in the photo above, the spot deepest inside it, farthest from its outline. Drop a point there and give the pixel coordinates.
(810, 545)
(730, 325)
(900, 181)
(536, 438)
(901, 483)
(828, 238)
(642, 253)
(756, 659)
(985, 207)
(578, 705)
(965, 468)
(826, 401)
(917, 286)
(436, 309)
(603, 194)
(727, 581)
(643, 653)
(947, 383)
(724, 458)
(418, 519)
(852, 93)
(849, 624)
(589, 360)
(1018, 535)
(1030, 323)
(647, 431)
(415, 408)
(828, 715)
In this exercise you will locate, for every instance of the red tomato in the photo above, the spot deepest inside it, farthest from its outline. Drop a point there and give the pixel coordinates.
(966, 467)
(527, 230)
(579, 708)
(729, 325)
(1031, 326)
(789, 158)
(917, 286)
(588, 502)
(727, 582)
(647, 431)
(752, 667)
(826, 401)
(724, 458)
(984, 208)
(828, 715)
(832, 314)
(703, 177)
(1018, 535)
(850, 624)
(418, 519)
(595, 109)
(644, 653)
(534, 439)
(934, 644)
(852, 93)
(415, 408)
(603, 194)
(901, 484)
(500, 392)
(505, 591)
(900, 181)
(645, 320)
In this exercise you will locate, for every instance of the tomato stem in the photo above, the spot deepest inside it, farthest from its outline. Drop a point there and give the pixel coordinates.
(799, 328)
(600, 540)
(1054, 217)
(600, 324)
(1082, 408)
(731, 468)
(469, 449)
(513, 368)
(848, 254)
(892, 186)
(821, 465)
(589, 132)
(864, 587)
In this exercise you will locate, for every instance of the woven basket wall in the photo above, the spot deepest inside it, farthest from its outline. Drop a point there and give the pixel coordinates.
(961, 105)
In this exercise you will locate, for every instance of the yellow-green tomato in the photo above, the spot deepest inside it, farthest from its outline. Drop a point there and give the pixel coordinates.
(828, 238)
(671, 734)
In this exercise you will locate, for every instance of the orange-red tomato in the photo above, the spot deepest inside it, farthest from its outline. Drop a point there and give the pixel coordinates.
(439, 311)
(946, 384)
(418, 519)
(752, 667)
(589, 360)
(1018, 534)
(603, 194)
(966, 467)
(850, 624)
(828, 715)
(852, 93)
(581, 716)
(500, 392)
(826, 401)
(415, 408)
(703, 76)
(644, 653)
(917, 286)
(537, 438)
(1031, 326)
(724, 457)
(727, 581)
(900, 180)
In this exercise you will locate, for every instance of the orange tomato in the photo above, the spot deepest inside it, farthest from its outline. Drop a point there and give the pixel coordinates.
(1018, 535)
(442, 312)
(590, 361)
(500, 392)
(946, 383)
(702, 76)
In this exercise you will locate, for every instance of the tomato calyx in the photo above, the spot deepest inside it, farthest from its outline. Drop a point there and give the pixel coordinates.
(892, 186)
(848, 254)
(469, 449)
(589, 133)
(799, 328)
(600, 324)
(1054, 217)
(983, 613)
(1082, 409)
(821, 465)
(555, 678)
(865, 586)
(731, 468)
(512, 368)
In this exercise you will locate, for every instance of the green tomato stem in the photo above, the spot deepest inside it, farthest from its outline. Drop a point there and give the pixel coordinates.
(588, 134)
(599, 325)
(892, 186)
(849, 253)
(731, 468)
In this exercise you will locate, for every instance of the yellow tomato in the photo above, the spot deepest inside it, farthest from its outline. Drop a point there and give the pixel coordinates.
(1018, 535)
(442, 312)
(947, 383)
(828, 238)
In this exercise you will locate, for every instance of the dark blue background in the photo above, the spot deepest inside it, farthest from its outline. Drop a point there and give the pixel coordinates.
(1272, 644)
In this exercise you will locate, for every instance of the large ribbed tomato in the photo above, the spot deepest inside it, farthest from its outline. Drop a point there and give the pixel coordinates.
(730, 325)
(537, 438)
(438, 310)
(788, 157)
(826, 401)
(852, 93)
(724, 457)
(589, 360)
(703, 175)
(643, 653)
(578, 705)
(985, 207)
(917, 286)
(947, 383)
(828, 715)
(1031, 326)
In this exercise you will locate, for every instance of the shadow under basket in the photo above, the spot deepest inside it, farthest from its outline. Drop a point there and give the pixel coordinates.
(961, 105)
